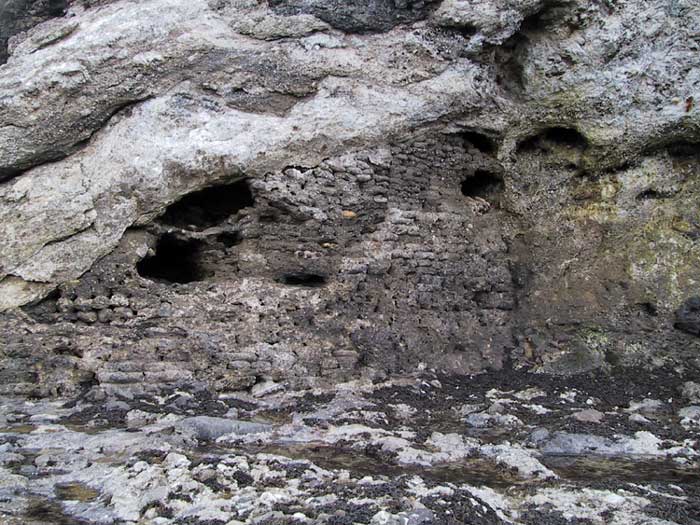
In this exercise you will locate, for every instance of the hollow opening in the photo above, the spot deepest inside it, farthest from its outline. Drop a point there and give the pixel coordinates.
(309, 280)
(556, 136)
(57, 7)
(688, 317)
(538, 21)
(465, 30)
(649, 308)
(652, 194)
(682, 149)
(44, 309)
(483, 184)
(229, 239)
(209, 207)
(480, 141)
(566, 137)
(175, 261)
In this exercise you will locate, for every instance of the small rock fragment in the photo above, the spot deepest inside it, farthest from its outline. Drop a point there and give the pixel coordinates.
(589, 415)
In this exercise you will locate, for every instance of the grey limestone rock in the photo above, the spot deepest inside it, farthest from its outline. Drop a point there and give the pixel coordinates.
(208, 428)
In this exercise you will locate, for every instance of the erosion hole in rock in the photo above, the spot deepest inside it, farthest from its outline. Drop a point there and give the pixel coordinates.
(464, 30)
(308, 280)
(44, 309)
(176, 261)
(652, 194)
(542, 20)
(480, 141)
(688, 317)
(483, 184)
(552, 138)
(229, 239)
(57, 7)
(683, 149)
(210, 206)
(648, 308)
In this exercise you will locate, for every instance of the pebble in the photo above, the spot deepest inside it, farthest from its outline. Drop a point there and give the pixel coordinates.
(589, 416)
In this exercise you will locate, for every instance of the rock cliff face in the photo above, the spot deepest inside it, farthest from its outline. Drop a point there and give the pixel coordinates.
(379, 262)
(231, 193)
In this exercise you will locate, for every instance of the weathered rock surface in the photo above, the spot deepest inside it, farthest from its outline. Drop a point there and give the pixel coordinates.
(452, 183)
(359, 453)
(20, 15)
(226, 194)
(468, 228)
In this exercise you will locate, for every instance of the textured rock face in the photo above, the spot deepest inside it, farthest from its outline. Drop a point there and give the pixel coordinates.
(20, 15)
(298, 193)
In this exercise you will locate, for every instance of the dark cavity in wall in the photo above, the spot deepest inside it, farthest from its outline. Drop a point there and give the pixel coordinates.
(8, 173)
(57, 7)
(648, 308)
(511, 56)
(309, 280)
(466, 30)
(684, 150)
(483, 184)
(652, 194)
(209, 207)
(176, 261)
(553, 138)
(538, 21)
(229, 239)
(46, 308)
(688, 317)
(480, 141)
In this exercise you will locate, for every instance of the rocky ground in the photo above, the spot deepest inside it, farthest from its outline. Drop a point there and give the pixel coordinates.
(497, 448)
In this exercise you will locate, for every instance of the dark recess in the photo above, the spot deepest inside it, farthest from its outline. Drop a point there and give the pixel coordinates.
(683, 149)
(649, 309)
(176, 261)
(57, 7)
(482, 184)
(209, 207)
(537, 21)
(229, 239)
(480, 141)
(688, 317)
(46, 308)
(651, 194)
(554, 136)
(309, 280)
(466, 31)
(511, 55)
(8, 173)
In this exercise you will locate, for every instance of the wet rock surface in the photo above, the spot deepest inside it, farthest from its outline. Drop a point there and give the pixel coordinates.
(403, 451)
